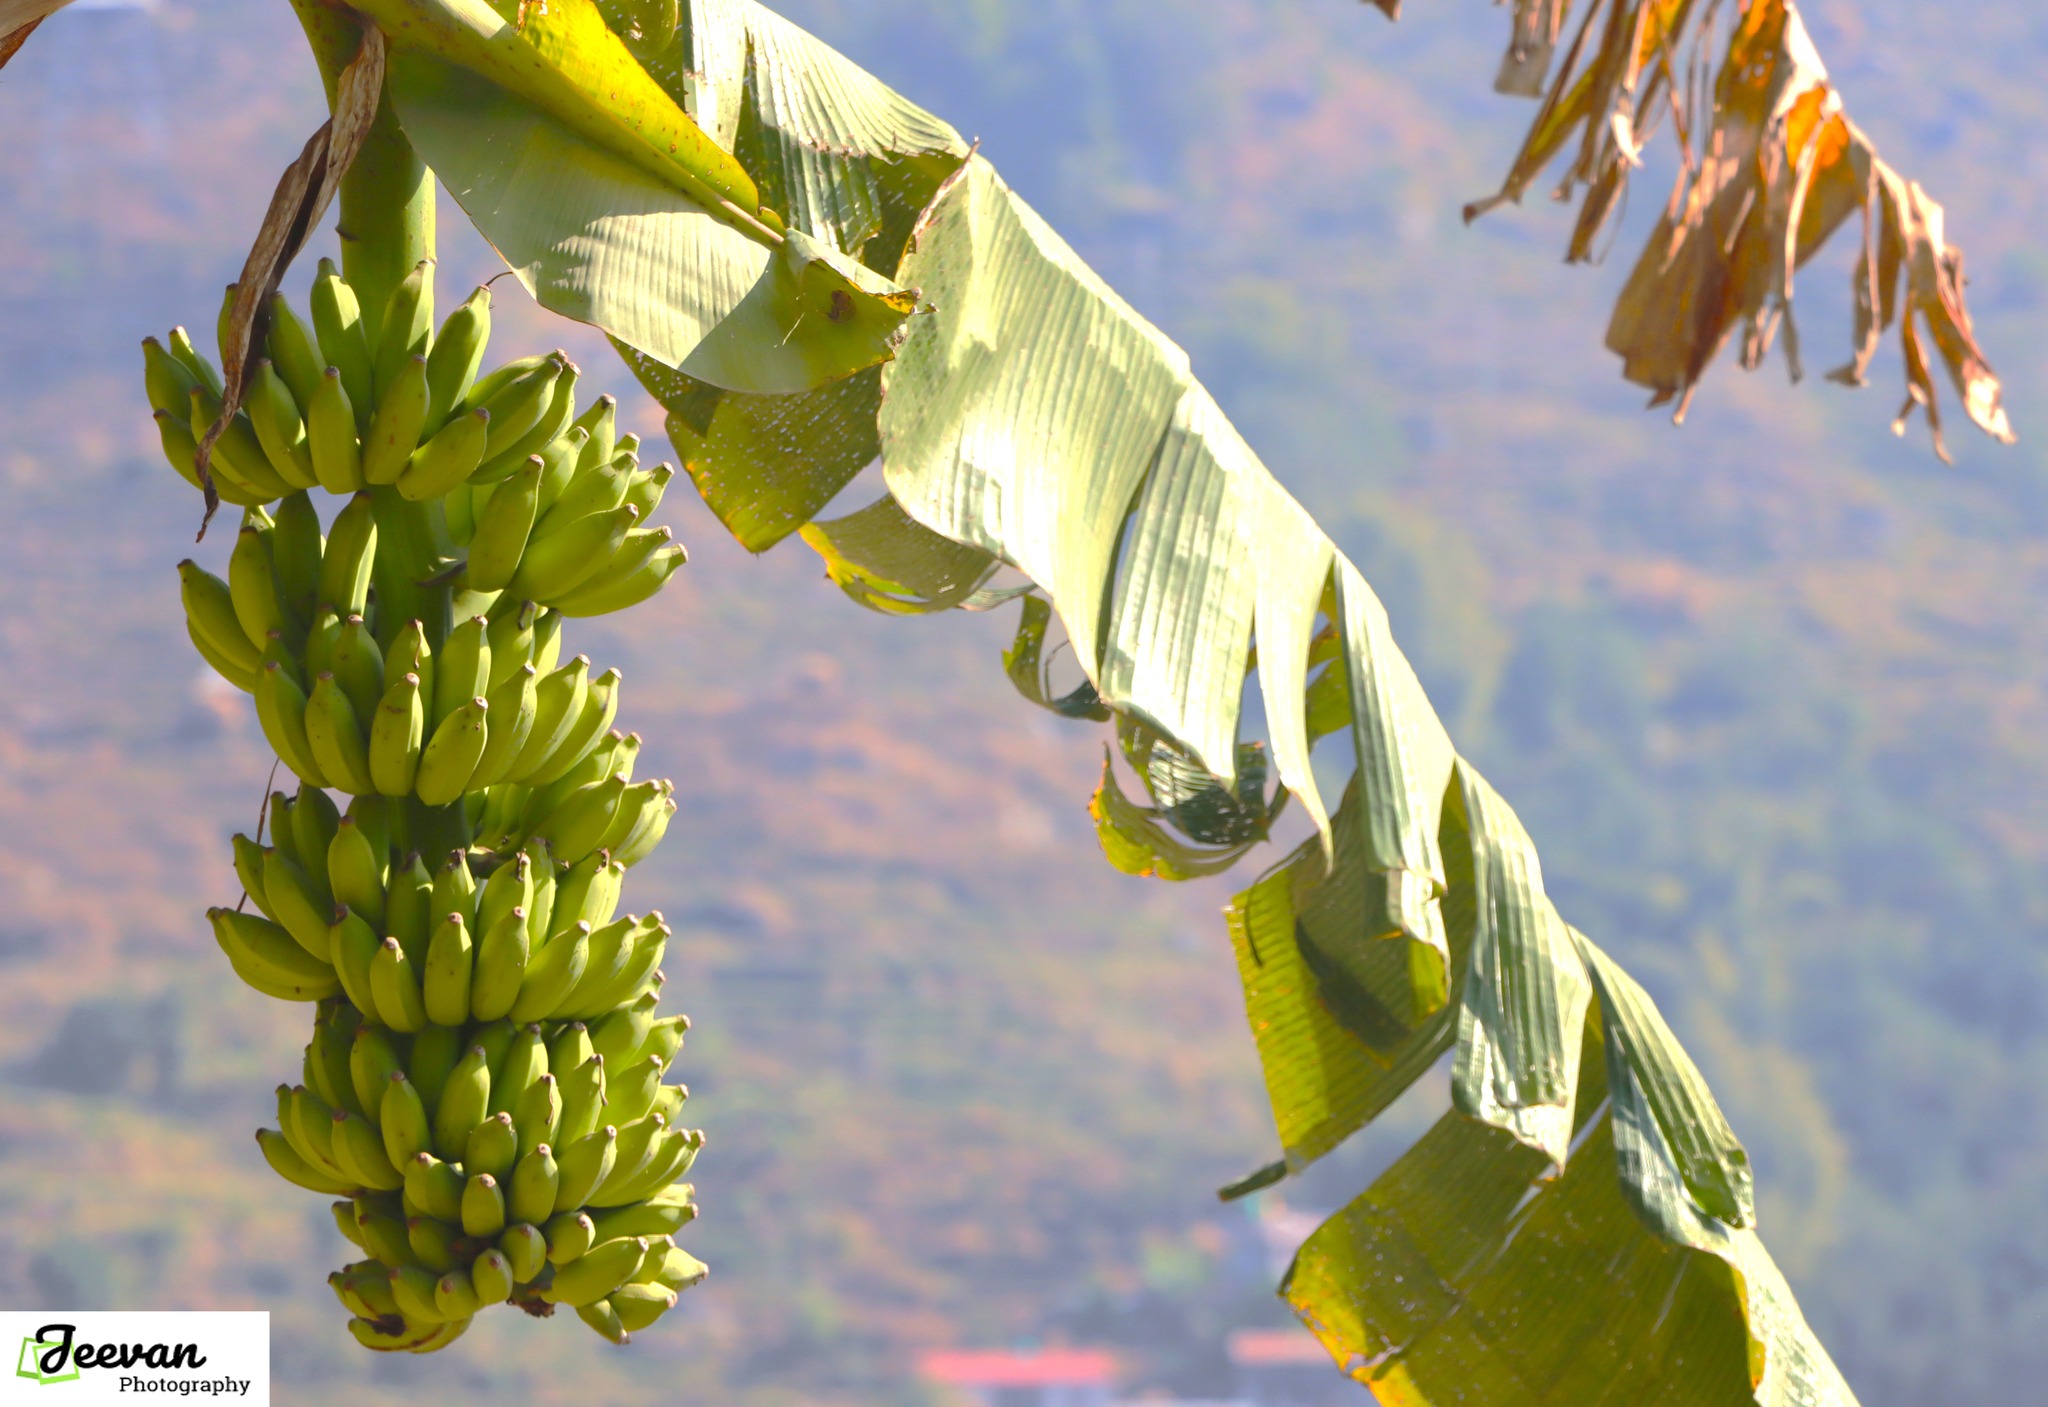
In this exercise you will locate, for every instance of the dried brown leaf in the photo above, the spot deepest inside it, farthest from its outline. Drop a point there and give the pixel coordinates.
(1772, 168)
(302, 196)
(18, 20)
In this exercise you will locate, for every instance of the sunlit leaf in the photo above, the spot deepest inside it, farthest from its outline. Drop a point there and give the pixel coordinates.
(595, 238)
(766, 464)
(888, 563)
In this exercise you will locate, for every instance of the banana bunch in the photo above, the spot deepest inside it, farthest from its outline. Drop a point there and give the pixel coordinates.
(335, 408)
(484, 1084)
(495, 1161)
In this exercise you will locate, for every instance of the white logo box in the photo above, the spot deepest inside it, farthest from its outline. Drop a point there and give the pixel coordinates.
(63, 1359)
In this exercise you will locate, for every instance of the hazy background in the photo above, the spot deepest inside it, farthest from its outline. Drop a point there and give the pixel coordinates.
(1768, 691)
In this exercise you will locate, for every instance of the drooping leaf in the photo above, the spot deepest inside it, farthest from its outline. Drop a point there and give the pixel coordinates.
(843, 156)
(598, 239)
(1772, 168)
(1035, 419)
(1155, 841)
(888, 563)
(766, 465)
(1646, 1063)
(1029, 667)
(1325, 1081)
(1524, 1000)
(1464, 1277)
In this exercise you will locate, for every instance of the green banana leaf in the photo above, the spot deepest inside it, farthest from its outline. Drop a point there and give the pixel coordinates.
(1034, 420)
(1469, 1276)
(602, 233)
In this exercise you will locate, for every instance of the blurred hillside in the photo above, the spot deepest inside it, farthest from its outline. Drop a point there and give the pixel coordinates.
(1768, 691)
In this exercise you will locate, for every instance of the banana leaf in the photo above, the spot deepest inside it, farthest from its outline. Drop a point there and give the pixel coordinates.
(1034, 420)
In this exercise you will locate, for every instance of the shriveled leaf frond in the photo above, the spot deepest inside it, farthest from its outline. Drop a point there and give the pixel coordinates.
(1771, 168)
(18, 19)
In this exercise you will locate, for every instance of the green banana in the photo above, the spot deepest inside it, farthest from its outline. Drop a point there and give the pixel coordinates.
(434, 1187)
(397, 734)
(435, 1053)
(574, 828)
(265, 956)
(558, 711)
(355, 871)
(409, 653)
(597, 1272)
(448, 458)
(434, 1243)
(445, 977)
(559, 458)
(662, 1214)
(568, 1235)
(347, 561)
(583, 1097)
(509, 887)
(397, 426)
(300, 908)
(600, 424)
(492, 1147)
(462, 670)
(551, 974)
(167, 381)
(204, 373)
(210, 613)
(525, 1061)
(252, 586)
(638, 1306)
(526, 1250)
(600, 708)
(457, 356)
(307, 1122)
(412, 1286)
(483, 1206)
(287, 1164)
(395, 985)
(502, 528)
(514, 635)
(280, 428)
(174, 432)
(238, 456)
(646, 488)
(331, 443)
(633, 1154)
(359, 1151)
(450, 756)
(567, 1051)
(343, 340)
(643, 580)
(539, 1114)
(631, 1090)
(562, 558)
(500, 966)
(354, 945)
(598, 489)
(490, 1277)
(358, 666)
(405, 331)
(465, 1102)
(604, 1320)
(517, 407)
(402, 1121)
(641, 843)
(335, 736)
(373, 1060)
(292, 352)
(327, 1064)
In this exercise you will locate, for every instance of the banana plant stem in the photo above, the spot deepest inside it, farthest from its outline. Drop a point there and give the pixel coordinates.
(387, 197)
